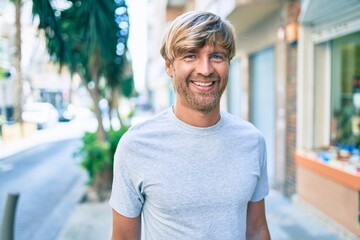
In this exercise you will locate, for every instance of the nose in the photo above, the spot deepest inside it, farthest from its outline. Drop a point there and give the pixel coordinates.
(205, 67)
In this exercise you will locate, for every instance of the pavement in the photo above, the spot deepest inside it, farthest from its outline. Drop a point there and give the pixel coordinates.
(288, 219)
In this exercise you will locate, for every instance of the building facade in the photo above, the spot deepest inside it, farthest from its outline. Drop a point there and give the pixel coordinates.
(38, 75)
(328, 139)
(7, 71)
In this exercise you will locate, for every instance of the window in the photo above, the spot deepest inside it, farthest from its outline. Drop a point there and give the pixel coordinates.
(345, 90)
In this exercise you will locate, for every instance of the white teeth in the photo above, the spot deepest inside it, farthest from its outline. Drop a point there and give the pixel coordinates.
(204, 84)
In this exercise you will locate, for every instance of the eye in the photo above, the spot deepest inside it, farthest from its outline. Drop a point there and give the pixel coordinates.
(189, 57)
(218, 57)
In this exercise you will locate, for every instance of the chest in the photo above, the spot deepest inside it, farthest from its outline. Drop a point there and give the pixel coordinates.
(191, 178)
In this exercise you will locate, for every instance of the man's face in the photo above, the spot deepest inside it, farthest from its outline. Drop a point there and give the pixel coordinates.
(200, 77)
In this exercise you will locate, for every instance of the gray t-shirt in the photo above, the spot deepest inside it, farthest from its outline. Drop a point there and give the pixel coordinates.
(189, 182)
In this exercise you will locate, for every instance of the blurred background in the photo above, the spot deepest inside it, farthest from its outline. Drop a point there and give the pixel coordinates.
(76, 74)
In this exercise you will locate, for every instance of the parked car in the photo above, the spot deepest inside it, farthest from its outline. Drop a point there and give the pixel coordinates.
(41, 113)
(66, 113)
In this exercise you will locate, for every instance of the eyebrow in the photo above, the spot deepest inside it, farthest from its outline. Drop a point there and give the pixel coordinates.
(195, 51)
(219, 52)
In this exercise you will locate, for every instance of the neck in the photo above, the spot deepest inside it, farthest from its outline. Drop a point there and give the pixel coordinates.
(197, 118)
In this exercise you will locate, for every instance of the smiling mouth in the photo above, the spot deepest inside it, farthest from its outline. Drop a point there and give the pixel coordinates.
(204, 84)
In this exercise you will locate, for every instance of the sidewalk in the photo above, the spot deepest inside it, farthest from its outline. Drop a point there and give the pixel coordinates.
(89, 221)
(287, 221)
(92, 221)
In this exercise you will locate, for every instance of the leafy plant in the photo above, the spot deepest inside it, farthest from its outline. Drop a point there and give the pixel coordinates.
(94, 154)
(113, 138)
(345, 135)
(97, 156)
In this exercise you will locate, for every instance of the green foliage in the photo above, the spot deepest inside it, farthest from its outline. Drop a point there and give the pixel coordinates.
(50, 23)
(96, 155)
(344, 133)
(113, 138)
(86, 34)
(128, 88)
(90, 38)
(1, 73)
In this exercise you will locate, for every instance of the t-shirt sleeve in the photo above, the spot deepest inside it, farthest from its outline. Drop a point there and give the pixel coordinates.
(262, 186)
(126, 197)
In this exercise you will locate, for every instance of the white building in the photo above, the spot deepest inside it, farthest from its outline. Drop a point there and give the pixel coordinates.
(37, 73)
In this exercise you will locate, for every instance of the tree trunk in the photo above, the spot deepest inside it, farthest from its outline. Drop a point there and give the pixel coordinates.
(114, 104)
(18, 74)
(101, 135)
(100, 129)
(103, 182)
(94, 65)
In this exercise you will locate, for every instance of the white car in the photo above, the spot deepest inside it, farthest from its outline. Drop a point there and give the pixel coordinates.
(41, 113)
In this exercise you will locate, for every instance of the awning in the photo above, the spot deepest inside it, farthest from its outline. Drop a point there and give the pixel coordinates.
(323, 11)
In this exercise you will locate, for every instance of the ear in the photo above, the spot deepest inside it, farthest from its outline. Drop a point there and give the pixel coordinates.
(169, 68)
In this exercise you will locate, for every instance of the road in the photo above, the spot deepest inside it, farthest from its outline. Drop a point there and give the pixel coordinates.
(50, 183)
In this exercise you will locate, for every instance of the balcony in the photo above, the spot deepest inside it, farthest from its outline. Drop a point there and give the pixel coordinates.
(248, 13)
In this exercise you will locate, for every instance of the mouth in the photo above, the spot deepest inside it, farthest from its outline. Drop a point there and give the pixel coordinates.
(204, 84)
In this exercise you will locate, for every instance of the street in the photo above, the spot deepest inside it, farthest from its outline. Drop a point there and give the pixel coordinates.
(50, 182)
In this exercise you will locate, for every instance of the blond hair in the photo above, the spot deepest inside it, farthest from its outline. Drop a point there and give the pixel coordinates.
(195, 29)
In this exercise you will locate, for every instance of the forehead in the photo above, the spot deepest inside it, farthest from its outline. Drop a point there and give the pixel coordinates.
(209, 48)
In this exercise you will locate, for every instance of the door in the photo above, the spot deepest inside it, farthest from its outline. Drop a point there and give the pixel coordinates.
(262, 101)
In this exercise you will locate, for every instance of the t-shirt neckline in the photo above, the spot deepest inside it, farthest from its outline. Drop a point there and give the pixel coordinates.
(191, 128)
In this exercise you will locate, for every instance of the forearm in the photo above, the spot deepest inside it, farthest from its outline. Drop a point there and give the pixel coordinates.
(256, 227)
(258, 234)
(125, 236)
(125, 228)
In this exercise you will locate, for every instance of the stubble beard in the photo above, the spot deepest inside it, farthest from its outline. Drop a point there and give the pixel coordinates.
(204, 102)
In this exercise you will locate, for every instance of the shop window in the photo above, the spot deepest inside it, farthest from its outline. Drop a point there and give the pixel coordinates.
(336, 109)
(345, 91)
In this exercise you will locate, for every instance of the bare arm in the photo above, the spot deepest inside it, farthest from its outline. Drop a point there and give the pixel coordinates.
(256, 222)
(125, 228)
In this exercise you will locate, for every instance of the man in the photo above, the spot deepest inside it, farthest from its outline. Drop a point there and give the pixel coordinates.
(192, 172)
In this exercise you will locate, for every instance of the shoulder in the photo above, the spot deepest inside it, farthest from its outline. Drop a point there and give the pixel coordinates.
(242, 129)
(149, 128)
(142, 140)
(239, 124)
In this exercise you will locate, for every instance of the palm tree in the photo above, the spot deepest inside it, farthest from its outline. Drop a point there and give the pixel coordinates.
(90, 37)
(119, 83)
